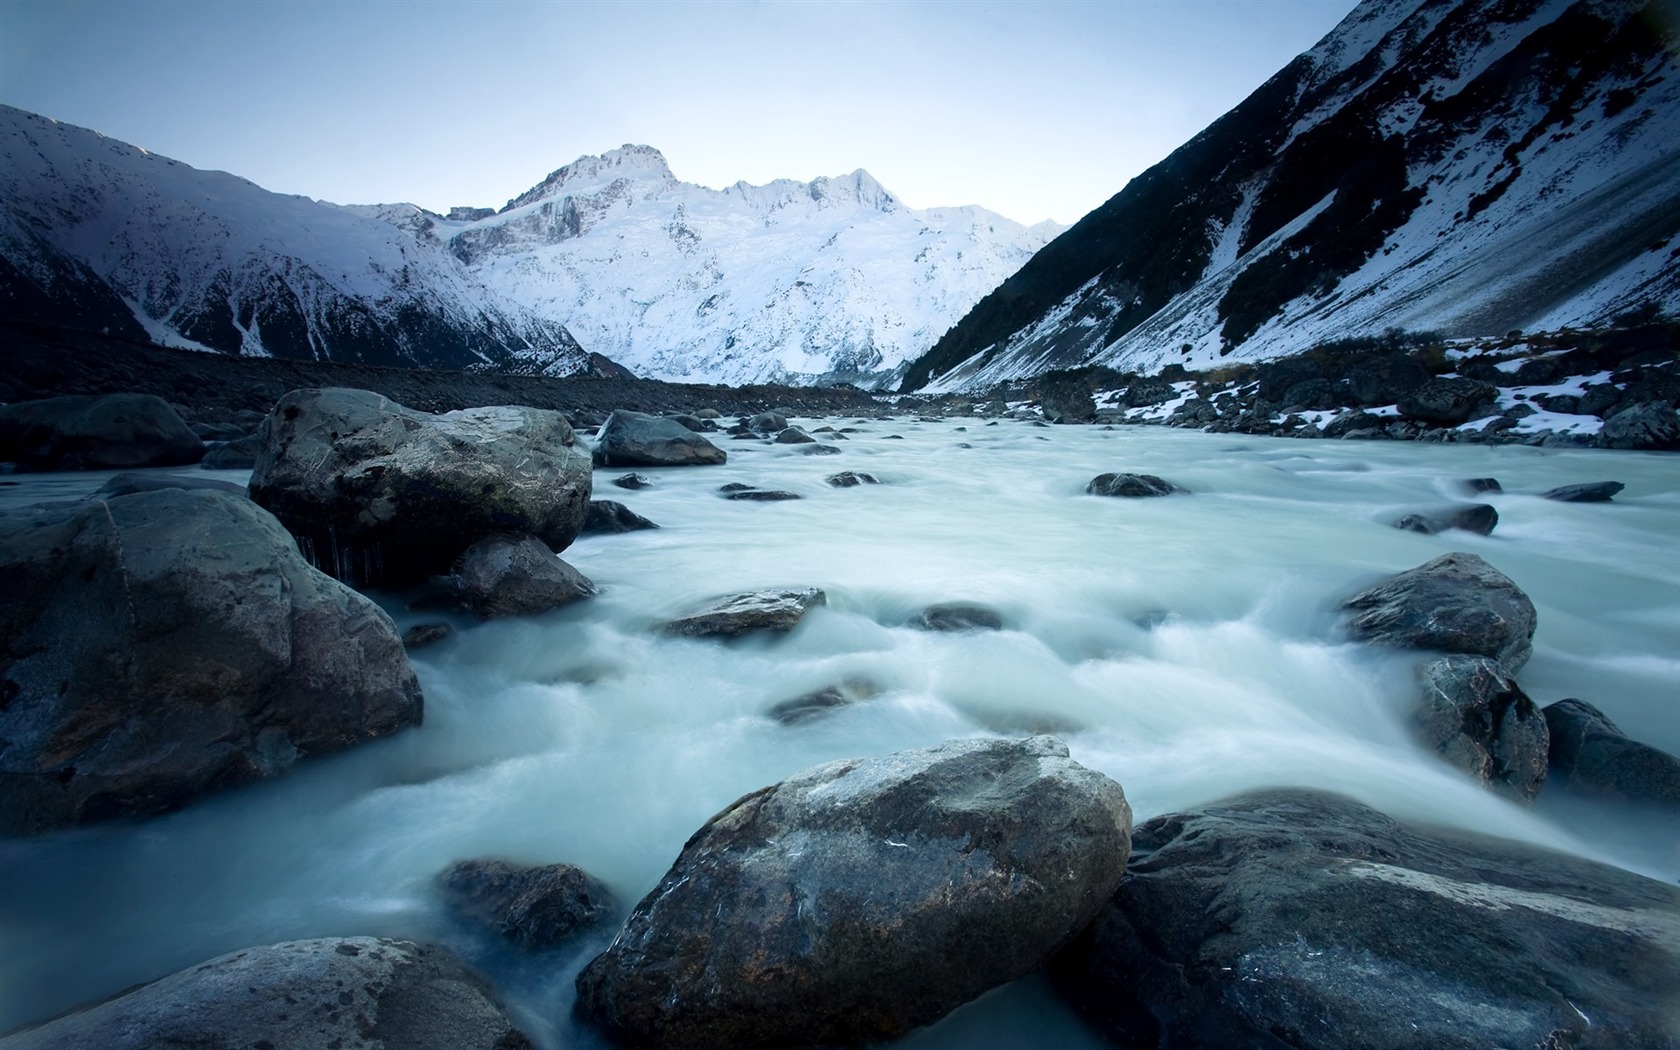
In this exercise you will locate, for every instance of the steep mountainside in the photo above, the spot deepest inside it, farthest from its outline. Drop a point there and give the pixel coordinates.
(102, 235)
(784, 281)
(1453, 166)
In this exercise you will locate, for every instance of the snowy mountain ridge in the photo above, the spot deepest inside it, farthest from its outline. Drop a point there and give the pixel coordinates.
(1432, 165)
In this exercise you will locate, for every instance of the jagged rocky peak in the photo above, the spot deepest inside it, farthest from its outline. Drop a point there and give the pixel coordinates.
(858, 188)
(589, 174)
(467, 213)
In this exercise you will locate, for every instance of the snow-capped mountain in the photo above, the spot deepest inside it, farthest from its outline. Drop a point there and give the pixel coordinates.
(1455, 166)
(104, 235)
(781, 282)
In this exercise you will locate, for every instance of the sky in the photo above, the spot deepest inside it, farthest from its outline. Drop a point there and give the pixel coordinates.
(1036, 109)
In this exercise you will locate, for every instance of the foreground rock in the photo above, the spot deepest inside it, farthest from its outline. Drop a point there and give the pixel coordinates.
(608, 517)
(635, 439)
(380, 494)
(738, 614)
(1479, 518)
(515, 576)
(1587, 492)
(1476, 718)
(1302, 919)
(1130, 485)
(1592, 756)
(1457, 603)
(534, 907)
(82, 432)
(862, 898)
(327, 994)
(163, 644)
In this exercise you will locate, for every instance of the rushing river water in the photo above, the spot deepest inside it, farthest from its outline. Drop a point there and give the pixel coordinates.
(1186, 646)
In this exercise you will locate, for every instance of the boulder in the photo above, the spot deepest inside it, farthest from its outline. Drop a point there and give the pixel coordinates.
(794, 436)
(607, 517)
(515, 576)
(1132, 485)
(1474, 485)
(851, 478)
(862, 898)
(635, 439)
(694, 423)
(1591, 755)
(163, 644)
(632, 480)
(1587, 492)
(129, 484)
(534, 907)
(1652, 425)
(737, 614)
(752, 495)
(383, 495)
(1473, 715)
(84, 432)
(319, 994)
(1069, 403)
(1456, 603)
(1448, 401)
(1479, 518)
(958, 616)
(1291, 918)
(1352, 421)
(1385, 380)
(767, 423)
(238, 454)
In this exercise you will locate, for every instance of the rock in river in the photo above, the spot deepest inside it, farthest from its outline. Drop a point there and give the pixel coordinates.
(753, 611)
(1292, 918)
(1476, 718)
(1479, 518)
(859, 899)
(83, 432)
(1457, 603)
(607, 517)
(333, 992)
(535, 907)
(1132, 485)
(1587, 492)
(635, 439)
(163, 644)
(380, 494)
(1591, 755)
(515, 576)
(958, 616)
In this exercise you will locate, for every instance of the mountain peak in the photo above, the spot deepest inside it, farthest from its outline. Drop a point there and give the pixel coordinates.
(628, 162)
(859, 187)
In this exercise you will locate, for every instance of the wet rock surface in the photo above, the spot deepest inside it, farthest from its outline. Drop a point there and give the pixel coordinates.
(862, 898)
(1479, 518)
(504, 575)
(607, 517)
(958, 616)
(533, 906)
(382, 495)
(160, 645)
(1457, 603)
(116, 431)
(1130, 485)
(851, 479)
(1474, 716)
(771, 610)
(1304, 919)
(349, 993)
(1591, 755)
(636, 439)
(819, 702)
(1587, 492)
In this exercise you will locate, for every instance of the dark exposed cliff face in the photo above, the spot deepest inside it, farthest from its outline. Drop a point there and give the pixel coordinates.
(1448, 165)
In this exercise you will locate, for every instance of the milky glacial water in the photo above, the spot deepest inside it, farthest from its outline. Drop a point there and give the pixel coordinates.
(1187, 646)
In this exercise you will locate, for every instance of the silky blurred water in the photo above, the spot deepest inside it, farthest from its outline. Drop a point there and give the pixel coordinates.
(1186, 646)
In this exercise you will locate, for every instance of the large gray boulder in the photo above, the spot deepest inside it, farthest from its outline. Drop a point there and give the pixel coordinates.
(1457, 603)
(515, 576)
(158, 645)
(862, 898)
(381, 494)
(332, 993)
(1130, 485)
(1652, 425)
(635, 439)
(1590, 754)
(84, 432)
(1474, 716)
(1479, 518)
(1291, 918)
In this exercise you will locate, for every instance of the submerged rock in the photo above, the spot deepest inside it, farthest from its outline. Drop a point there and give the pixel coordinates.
(1482, 485)
(779, 610)
(383, 495)
(160, 645)
(1132, 485)
(607, 517)
(297, 995)
(423, 634)
(862, 898)
(635, 439)
(515, 576)
(851, 478)
(752, 495)
(1474, 716)
(820, 702)
(958, 616)
(1457, 603)
(85, 432)
(1591, 755)
(534, 907)
(129, 484)
(1479, 518)
(818, 450)
(1587, 492)
(794, 436)
(1292, 918)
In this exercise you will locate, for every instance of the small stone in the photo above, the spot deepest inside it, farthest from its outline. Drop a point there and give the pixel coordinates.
(632, 480)
(1130, 485)
(850, 478)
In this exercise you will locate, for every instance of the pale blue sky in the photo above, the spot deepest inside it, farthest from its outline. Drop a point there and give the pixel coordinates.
(1034, 109)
